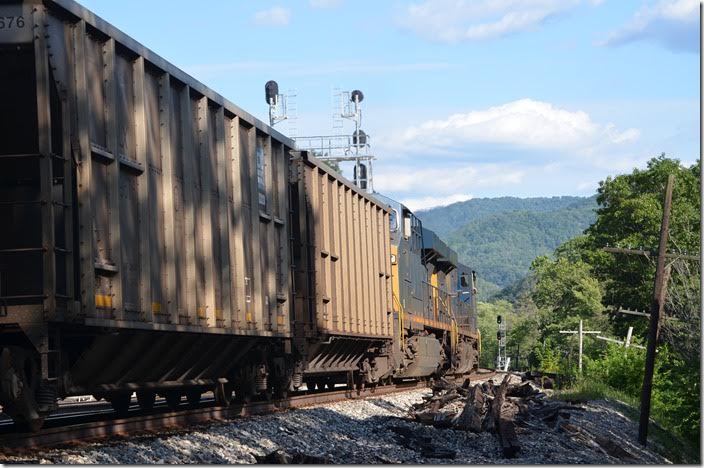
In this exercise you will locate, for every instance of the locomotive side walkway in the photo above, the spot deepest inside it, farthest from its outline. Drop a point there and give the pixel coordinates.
(362, 431)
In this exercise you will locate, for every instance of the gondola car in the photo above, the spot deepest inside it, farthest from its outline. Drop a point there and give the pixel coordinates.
(159, 240)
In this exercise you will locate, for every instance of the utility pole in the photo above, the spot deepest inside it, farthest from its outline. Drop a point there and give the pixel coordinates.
(581, 332)
(656, 310)
(626, 343)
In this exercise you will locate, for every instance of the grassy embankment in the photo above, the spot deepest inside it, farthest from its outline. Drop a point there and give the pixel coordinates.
(660, 432)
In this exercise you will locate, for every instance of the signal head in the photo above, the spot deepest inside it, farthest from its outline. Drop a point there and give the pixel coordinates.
(271, 89)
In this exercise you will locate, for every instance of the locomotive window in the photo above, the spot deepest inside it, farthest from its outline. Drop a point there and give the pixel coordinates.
(261, 186)
(393, 221)
(407, 225)
(464, 281)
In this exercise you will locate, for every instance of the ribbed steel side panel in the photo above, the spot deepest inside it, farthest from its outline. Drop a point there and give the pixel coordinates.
(170, 227)
(345, 266)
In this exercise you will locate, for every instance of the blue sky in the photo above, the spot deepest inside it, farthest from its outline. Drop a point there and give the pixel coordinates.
(463, 98)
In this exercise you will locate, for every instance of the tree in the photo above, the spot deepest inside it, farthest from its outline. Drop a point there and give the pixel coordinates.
(583, 278)
(629, 214)
(567, 288)
(334, 165)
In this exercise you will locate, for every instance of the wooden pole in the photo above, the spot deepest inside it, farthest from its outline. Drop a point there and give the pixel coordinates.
(656, 309)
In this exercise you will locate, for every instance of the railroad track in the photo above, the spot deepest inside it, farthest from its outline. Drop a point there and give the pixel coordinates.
(102, 426)
(90, 425)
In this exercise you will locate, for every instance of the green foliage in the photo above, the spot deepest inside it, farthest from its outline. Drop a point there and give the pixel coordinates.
(573, 279)
(567, 288)
(620, 368)
(486, 322)
(629, 214)
(521, 331)
(676, 386)
(678, 449)
(334, 165)
(676, 394)
(548, 358)
(582, 279)
(445, 219)
(501, 246)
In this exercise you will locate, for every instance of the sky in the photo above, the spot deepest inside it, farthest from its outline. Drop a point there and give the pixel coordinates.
(462, 98)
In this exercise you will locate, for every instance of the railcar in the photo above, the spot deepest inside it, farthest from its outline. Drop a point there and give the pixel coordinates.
(159, 240)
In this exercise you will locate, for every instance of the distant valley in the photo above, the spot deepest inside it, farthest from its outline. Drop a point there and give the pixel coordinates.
(500, 237)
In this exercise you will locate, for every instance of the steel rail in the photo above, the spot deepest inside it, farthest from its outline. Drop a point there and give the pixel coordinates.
(14, 443)
(144, 424)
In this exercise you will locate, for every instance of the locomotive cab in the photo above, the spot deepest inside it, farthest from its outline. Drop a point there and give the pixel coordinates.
(433, 300)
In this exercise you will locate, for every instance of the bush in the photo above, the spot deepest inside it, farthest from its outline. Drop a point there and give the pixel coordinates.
(618, 367)
(548, 358)
(675, 397)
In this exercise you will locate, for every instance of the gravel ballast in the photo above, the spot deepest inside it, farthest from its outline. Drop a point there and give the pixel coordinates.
(353, 432)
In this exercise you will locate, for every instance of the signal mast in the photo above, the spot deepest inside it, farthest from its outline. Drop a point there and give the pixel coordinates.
(343, 147)
(277, 103)
(502, 360)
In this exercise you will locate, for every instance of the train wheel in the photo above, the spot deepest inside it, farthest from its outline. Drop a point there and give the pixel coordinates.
(193, 397)
(19, 381)
(243, 397)
(173, 398)
(223, 394)
(120, 402)
(281, 389)
(146, 399)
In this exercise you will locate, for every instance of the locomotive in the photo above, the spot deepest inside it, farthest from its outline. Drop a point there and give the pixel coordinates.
(159, 240)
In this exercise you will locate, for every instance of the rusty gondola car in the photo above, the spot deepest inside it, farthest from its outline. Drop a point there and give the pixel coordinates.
(158, 239)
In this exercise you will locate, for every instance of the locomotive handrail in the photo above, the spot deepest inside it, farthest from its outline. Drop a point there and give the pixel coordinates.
(400, 321)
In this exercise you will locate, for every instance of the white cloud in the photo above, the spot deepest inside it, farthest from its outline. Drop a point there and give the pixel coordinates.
(442, 182)
(325, 3)
(461, 20)
(672, 23)
(275, 16)
(524, 124)
(424, 203)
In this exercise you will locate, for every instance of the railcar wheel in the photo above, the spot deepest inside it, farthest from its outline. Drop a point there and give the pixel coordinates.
(243, 397)
(120, 402)
(146, 399)
(19, 381)
(173, 398)
(223, 394)
(193, 397)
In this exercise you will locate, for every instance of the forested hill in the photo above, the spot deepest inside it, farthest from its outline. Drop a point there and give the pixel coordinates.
(500, 237)
(445, 219)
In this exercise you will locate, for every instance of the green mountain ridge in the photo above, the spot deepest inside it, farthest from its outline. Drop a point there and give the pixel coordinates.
(445, 219)
(503, 236)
